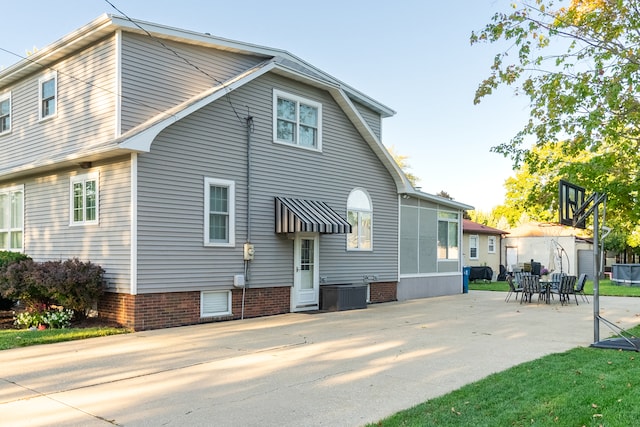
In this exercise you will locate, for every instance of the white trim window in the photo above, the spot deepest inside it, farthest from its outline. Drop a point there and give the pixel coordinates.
(12, 218)
(219, 212)
(84, 199)
(297, 121)
(360, 216)
(448, 225)
(491, 245)
(48, 95)
(215, 303)
(5, 113)
(473, 247)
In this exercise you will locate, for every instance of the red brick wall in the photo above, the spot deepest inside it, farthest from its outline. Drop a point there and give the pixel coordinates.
(164, 310)
(383, 292)
(155, 311)
(118, 308)
(261, 301)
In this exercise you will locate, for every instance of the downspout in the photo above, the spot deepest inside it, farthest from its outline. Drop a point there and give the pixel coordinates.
(249, 122)
(249, 132)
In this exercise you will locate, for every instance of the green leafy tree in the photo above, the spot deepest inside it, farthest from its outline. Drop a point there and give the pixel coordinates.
(401, 161)
(579, 66)
(444, 195)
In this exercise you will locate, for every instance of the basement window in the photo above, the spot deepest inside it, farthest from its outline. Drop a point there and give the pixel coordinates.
(215, 303)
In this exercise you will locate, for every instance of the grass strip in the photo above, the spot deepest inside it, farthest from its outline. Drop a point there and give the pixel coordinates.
(580, 387)
(12, 338)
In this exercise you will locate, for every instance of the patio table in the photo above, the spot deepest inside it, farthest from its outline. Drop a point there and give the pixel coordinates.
(547, 285)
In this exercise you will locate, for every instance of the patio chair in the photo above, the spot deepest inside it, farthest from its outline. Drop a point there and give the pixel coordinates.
(513, 288)
(582, 280)
(566, 288)
(530, 287)
(518, 275)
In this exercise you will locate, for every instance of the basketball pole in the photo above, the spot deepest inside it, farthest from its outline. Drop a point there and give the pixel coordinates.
(596, 273)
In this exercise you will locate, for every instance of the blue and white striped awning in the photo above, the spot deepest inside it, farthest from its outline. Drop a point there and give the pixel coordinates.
(300, 215)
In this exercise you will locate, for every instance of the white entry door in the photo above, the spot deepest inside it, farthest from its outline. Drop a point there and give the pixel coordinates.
(512, 257)
(305, 294)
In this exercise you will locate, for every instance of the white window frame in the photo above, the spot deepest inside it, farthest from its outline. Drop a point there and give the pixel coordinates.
(83, 179)
(10, 191)
(359, 212)
(203, 313)
(298, 100)
(474, 243)
(491, 244)
(231, 211)
(450, 252)
(47, 77)
(6, 97)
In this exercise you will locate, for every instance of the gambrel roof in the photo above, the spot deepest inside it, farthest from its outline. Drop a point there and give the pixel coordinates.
(140, 138)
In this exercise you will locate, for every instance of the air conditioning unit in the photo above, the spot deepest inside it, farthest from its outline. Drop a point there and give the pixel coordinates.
(343, 297)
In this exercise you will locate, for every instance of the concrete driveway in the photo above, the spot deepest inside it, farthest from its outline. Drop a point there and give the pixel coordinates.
(324, 369)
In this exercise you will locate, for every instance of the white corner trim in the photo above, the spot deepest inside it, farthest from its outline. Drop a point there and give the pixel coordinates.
(133, 279)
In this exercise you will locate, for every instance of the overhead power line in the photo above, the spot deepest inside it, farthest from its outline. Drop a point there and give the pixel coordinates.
(178, 55)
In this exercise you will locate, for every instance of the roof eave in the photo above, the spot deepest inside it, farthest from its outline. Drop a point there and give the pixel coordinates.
(106, 24)
(439, 200)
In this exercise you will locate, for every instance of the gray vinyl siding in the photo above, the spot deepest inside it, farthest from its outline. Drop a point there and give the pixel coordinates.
(48, 235)
(155, 79)
(85, 109)
(171, 252)
(373, 119)
(212, 143)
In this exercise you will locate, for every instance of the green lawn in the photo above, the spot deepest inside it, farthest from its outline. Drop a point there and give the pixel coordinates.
(11, 338)
(581, 387)
(607, 288)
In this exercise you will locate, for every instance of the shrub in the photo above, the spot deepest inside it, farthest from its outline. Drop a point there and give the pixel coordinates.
(17, 282)
(73, 284)
(6, 258)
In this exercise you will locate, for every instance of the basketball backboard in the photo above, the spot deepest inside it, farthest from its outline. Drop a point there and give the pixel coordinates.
(571, 199)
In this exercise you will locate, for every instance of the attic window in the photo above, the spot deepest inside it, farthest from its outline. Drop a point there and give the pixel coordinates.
(297, 121)
(48, 95)
(5, 113)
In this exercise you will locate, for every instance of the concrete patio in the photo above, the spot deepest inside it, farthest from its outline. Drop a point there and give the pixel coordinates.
(323, 369)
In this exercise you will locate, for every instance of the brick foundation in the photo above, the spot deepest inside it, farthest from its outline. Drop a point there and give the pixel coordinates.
(383, 292)
(164, 310)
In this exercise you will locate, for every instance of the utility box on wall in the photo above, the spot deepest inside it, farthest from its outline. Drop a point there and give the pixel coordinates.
(343, 297)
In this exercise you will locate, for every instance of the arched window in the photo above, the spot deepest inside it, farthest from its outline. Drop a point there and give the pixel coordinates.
(359, 215)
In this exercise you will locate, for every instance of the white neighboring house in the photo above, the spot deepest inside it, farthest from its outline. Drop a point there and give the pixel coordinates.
(556, 247)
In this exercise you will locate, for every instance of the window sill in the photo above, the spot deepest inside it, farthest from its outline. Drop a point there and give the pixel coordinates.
(81, 224)
(219, 245)
(46, 119)
(302, 147)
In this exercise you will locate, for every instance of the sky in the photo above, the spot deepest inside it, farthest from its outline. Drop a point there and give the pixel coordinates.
(413, 56)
